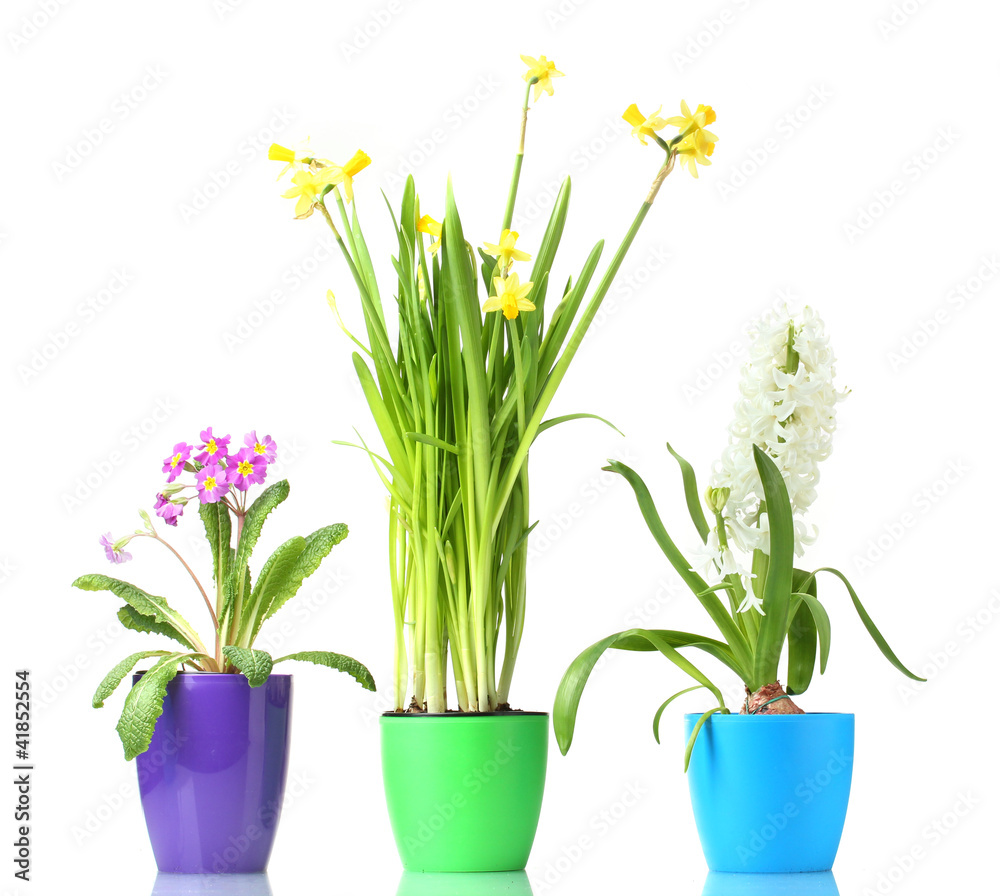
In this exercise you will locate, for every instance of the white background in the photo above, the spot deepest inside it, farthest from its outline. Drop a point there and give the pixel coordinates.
(855, 172)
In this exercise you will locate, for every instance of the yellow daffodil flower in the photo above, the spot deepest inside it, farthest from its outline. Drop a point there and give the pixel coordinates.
(345, 174)
(688, 121)
(427, 224)
(307, 188)
(509, 296)
(299, 158)
(643, 127)
(695, 149)
(505, 251)
(544, 70)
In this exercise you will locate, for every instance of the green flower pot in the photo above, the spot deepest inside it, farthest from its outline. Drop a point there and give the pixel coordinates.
(464, 791)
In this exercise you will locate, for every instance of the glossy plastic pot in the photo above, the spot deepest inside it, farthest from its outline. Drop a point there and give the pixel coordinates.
(213, 779)
(464, 790)
(770, 792)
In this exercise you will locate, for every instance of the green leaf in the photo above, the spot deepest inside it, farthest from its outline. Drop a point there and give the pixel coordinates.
(335, 661)
(144, 704)
(238, 579)
(567, 701)
(699, 587)
(697, 730)
(254, 664)
(666, 703)
(433, 441)
(114, 678)
(218, 530)
(876, 635)
(691, 495)
(801, 651)
(257, 513)
(135, 621)
(555, 421)
(272, 576)
(822, 621)
(778, 582)
(317, 547)
(149, 605)
(718, 649)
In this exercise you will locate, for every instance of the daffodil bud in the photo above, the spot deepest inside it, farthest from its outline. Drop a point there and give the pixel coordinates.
(716, 498)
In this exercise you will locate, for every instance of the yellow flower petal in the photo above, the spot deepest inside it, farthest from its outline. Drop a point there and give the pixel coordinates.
(278, 153)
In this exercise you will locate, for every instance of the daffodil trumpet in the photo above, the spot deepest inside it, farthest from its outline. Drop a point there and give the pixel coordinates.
(459, 392)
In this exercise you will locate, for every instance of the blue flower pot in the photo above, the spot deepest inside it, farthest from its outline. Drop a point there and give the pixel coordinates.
(770, 792)
(719, 883)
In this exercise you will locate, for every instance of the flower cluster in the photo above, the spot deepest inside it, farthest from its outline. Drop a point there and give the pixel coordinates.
(787, 407)
(692, 144)
(218, 470)
(315, 177)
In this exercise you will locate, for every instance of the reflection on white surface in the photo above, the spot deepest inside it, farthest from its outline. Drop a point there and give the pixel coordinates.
(508, 883)
(820, 883)
(214, 884)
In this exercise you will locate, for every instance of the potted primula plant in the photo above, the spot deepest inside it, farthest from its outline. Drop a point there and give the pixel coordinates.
(209, 722)
(770, 784)
(459, 384)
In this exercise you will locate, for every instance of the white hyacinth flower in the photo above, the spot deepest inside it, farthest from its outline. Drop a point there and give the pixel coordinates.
(787, 406)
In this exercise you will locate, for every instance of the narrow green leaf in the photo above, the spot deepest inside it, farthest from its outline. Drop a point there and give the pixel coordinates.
(802, 638)
(778, 582)
(567, 702)
(822, 621)
(254, 664)
(697, 730)
(335, 661)
(433, 441)
(555, 421)
(665, 704)
(272, 577)
(114, 678)
(691, 496)
(876, 635)
(699, 587)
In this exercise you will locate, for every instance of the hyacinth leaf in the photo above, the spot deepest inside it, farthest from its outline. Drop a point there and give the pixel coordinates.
(114, 678)
(144, 703)
(555, 421)
(778, 582)
(822, 620)
(148, 605)
(691, 495)
(699, 587)
(337, 661)
(219, 531)
(697, 730)
(567, 702)
(802, 638)
(254, 664)
(135, 621)
(714, 648)
(665, 704)
(315, 550)
(876, 635)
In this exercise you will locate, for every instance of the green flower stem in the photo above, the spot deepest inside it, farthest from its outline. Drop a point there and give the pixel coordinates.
(738, 593)
(562, 365)
(508, 215)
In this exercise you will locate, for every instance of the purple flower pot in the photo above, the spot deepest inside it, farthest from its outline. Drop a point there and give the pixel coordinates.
(213, 779)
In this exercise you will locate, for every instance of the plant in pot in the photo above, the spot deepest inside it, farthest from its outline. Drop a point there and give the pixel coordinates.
(209, 724)
(459, 387)
(769, 785)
